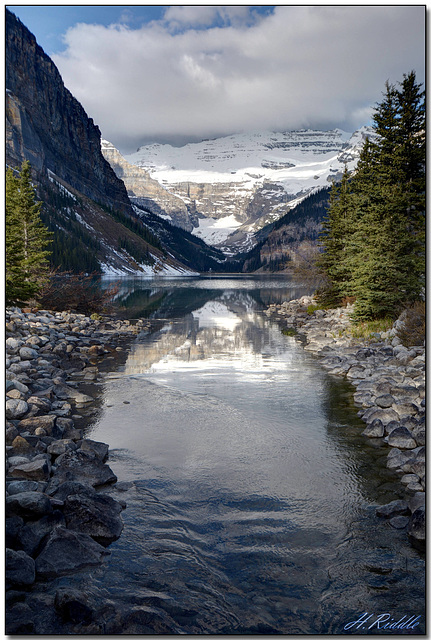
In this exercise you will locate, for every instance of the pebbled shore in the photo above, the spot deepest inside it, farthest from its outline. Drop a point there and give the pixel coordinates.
(57, 519)
(390, 391)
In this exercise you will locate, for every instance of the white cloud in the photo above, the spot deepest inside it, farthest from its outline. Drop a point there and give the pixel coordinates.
(206, 16)
(191, 16)
(301, 66)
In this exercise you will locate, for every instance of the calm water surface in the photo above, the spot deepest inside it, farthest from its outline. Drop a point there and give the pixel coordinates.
(252, 495)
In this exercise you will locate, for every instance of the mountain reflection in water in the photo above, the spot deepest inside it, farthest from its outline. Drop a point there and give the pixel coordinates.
(252, 500)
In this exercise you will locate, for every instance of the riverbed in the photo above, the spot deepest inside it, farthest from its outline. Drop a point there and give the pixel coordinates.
(250, 490)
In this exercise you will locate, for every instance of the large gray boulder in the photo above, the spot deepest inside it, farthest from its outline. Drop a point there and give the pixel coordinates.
(100, 449)
(20, 568)
(67, 552)
(28, 504)
(15, 408)
(37, 469)
(97, 515)
(402, 439)
(70, 487)
(83, 466)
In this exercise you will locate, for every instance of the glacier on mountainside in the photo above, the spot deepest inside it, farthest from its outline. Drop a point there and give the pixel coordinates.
(249, 179)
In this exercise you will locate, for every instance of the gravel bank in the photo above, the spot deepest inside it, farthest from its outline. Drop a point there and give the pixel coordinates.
(390, 391)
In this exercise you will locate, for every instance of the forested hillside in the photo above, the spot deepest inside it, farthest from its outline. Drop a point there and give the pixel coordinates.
(282, 243)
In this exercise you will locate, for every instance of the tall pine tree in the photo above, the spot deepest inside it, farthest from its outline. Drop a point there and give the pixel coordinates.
(27, 238)
(336, 228)
(383, 264)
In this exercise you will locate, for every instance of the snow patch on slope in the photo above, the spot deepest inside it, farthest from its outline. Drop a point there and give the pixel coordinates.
(215, 231)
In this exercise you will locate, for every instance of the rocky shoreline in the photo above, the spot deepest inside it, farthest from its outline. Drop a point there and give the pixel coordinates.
(390, 391)
(57, 519)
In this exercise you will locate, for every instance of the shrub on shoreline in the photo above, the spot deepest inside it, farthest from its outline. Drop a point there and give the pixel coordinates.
(80, 293)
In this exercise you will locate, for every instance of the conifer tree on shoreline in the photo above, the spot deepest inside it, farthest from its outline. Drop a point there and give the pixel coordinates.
(27, 238)
(379, 255)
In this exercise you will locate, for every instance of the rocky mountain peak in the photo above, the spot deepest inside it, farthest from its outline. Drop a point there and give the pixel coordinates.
(238, 183)
(46, 125)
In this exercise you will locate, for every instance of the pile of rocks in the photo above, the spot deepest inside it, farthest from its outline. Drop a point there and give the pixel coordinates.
(390, 391)
(56, 520)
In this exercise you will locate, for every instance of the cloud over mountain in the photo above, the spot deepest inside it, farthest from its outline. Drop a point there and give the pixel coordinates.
(203, 71)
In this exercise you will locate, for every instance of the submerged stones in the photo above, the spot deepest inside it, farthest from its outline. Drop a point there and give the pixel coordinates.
(97, 515)
(394, 508)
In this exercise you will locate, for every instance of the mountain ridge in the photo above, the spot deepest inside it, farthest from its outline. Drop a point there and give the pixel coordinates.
(85, 204)
(235, 185)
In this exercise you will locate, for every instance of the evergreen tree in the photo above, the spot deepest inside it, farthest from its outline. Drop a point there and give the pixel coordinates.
(336, 227)
(389, 264)
(15, 276)
(26, 238)
(383, 259)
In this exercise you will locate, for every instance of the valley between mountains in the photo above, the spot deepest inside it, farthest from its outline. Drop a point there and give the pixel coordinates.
(226, 189)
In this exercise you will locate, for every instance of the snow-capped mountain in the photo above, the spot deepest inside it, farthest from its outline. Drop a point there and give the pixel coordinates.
(234, 185)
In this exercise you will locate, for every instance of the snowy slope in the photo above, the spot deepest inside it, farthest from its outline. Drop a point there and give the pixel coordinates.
(278, 157)
(240, 182)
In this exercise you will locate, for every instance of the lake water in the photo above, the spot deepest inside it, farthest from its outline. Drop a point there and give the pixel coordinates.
(252, 495)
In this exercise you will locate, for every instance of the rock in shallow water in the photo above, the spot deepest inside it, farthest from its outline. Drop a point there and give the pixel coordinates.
(416, 529)
(19, 620)
(72, 605)
(402, 439)
(399, 522)
(97, 515)
(394, 508)
(374, 430)
(83, 466)
(100, 449)
(66, 552)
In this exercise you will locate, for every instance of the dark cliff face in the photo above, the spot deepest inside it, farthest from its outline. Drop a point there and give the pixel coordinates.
(46, 125)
